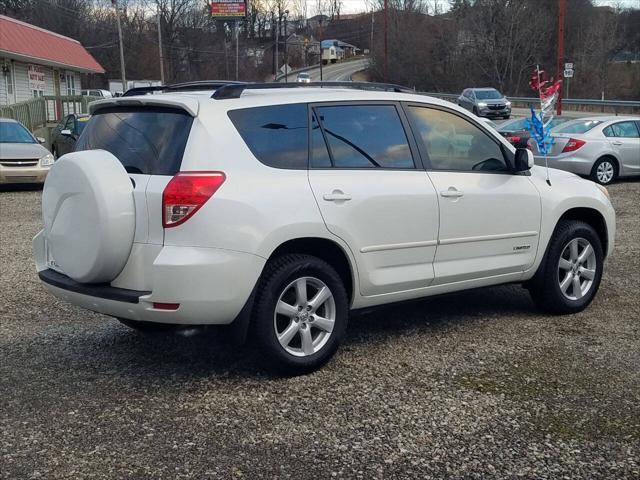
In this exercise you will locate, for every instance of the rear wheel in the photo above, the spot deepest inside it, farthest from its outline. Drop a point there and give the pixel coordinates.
(300, 314)
(148, 327)
(604, 171)
(569, 275)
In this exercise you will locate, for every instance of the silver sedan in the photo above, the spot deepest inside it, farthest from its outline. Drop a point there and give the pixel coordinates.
(602, 148)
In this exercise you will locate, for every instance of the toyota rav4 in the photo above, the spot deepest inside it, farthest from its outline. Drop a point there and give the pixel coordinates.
(276, 209)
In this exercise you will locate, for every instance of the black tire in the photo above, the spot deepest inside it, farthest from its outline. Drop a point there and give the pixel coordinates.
(148, 327)
(545, 286)
(600, 162)
(279, 273)
(507, 117)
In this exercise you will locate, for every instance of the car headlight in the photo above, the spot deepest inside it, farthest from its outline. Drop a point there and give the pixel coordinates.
(508, 103)
(604, 190)
(482, 104)
(47, 160)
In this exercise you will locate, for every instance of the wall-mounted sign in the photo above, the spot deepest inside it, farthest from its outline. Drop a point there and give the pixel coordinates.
(231, 9)
(36, 77)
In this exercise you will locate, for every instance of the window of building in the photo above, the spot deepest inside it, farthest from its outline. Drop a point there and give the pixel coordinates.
(70, 80)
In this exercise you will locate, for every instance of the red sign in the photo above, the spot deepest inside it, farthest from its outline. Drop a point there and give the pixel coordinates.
(228, 8)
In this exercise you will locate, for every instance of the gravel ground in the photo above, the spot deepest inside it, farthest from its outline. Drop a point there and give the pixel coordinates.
(473, 385)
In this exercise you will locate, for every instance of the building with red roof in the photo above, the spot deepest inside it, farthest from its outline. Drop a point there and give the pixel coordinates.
(36, 62)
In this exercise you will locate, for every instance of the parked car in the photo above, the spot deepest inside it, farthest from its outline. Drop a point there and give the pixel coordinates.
(601, 148)
(97, 93)
(304, 77)
(23, 159)
(277, 211)
(65, 135)
(516, 132)
(485, 102)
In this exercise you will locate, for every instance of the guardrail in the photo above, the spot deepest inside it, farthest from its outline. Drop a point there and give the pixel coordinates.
(613, 106)
(37, 112)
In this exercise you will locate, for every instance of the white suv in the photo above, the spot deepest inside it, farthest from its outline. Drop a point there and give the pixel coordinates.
(277, 210)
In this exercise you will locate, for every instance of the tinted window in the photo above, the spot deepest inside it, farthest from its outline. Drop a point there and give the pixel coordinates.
(319, 153)
(145, 140)
(578, 126)
(453, 143)
(365, 136)
(513, 125)
(276, 135)
(622, 129)
(11, 132)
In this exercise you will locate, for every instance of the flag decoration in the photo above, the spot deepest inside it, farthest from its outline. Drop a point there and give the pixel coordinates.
(538, 125)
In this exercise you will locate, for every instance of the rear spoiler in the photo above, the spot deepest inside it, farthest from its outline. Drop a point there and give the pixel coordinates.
(189, 105)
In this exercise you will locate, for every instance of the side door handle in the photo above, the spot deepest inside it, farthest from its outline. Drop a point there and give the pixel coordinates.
(336, 196)
(617, 142)
(452, 192)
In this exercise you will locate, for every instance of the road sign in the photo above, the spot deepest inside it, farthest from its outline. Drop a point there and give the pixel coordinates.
(228, 9)
(568, 66)
(568, 73)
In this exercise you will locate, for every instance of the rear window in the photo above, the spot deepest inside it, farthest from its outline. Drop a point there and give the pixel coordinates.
(277, 135)
(150, 141)
(579, 126)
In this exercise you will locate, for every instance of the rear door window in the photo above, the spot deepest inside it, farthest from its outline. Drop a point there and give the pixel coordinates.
(365, 136)
(149, 141)
(277, 135)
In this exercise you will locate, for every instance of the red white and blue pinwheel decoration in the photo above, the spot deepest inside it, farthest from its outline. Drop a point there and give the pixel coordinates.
(538, 125)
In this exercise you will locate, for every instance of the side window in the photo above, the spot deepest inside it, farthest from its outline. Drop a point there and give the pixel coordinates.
(70, 123)
(624, 129)
(365, 136)
(453, 143)
(319, 153)
(608, 132)
(277, 135)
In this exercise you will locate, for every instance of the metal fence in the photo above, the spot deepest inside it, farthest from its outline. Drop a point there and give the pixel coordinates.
(39, 111)
(585, 104)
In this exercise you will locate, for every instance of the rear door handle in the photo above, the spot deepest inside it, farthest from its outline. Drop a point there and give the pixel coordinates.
(336, 196)
(451, 192)
(617, 143)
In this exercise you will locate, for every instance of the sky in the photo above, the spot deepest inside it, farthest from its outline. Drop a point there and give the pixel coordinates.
(355, 6)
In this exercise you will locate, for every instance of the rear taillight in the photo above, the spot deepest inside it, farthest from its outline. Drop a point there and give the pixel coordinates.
(186, 193)
(513, 139)
(572, 145)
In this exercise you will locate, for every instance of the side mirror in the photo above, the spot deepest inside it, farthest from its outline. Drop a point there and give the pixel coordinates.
(66, 132)
(41, 140)
(523, 160)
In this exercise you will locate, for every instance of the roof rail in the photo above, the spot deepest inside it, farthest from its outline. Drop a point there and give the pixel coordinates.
(234, 90)
(180, 87)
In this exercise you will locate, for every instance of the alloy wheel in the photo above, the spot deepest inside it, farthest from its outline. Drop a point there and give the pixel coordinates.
(576, 268)
(305, 316)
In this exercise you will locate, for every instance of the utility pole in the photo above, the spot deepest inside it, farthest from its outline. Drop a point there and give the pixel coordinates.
(320, 39)
(371, 42)
(386, 41)
(275, 78)
(160, 49)
(237, 28)
(122, 70)
(286, 56)
(560, 61)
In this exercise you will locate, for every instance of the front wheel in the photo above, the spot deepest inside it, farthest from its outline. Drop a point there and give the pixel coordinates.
(300, 314)
(604, 171)
(570, 273)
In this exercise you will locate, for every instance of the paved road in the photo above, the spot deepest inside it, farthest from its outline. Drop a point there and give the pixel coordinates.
(339, 72)
(477, 385)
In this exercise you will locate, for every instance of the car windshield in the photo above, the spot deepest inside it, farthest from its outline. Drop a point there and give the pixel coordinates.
(488, 95)
(579, 126)
(513, 125)
(14, 133)
(303, 75)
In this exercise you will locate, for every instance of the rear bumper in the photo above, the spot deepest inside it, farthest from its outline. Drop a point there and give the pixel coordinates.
(210, 285)
(34, 174)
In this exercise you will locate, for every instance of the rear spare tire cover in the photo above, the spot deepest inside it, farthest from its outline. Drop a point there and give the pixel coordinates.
(89, 215)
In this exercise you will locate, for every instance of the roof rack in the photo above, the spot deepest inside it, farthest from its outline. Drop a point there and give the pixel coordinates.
(180, 87)
(235, 89)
